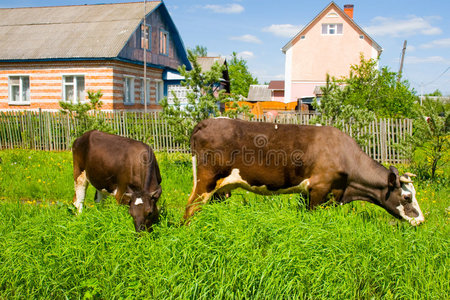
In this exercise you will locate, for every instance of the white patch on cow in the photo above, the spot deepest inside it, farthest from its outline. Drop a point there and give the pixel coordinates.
(409, 190)
(276, 126)
(80, 191)
(234, 180)
(138, 201)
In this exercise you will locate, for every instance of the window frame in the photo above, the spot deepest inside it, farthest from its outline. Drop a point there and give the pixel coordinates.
(75, 88)
(149, 82)
(149, 37)
(333, 26)
(159, 90)
(132, 99)
(163, 45)
(28, 93)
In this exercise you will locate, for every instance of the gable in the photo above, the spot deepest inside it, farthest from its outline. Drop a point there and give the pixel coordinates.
(158, 21)
(331, 14)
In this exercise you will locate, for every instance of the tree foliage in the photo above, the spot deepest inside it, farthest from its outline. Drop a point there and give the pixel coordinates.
(203, 99)
(366, 93)
(432, 137)
(86, 114)
(240, 76)
(200, 51)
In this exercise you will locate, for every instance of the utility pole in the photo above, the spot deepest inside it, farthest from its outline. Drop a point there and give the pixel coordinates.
(146, 38)
(401, 62)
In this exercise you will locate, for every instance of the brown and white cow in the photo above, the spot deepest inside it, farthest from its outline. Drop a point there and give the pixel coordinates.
(268, 158)
(119, 166)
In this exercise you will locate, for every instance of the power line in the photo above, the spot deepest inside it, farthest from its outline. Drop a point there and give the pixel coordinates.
(448, 68)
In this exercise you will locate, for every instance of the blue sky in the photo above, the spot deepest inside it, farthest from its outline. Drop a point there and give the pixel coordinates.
(258, 29)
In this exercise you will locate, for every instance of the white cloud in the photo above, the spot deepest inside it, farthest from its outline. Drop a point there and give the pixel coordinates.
(247, 38)
(245, 54)
(283, 30)
(225, 9)
(429, 59)
(412, 25)
(442, 43)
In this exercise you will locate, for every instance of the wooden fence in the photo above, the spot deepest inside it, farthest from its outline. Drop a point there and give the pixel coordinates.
(52, 131)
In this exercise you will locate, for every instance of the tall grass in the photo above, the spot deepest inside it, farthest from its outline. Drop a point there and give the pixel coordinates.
(246, 247)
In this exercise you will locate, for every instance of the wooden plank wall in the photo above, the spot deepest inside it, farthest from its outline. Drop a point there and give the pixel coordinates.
(52, 131)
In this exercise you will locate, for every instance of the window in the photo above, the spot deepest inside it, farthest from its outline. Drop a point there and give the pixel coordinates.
(159, 91)
(302, 37)
(128, 93)
(332, 29)
(142, 91)
(163, 42)
(19, 90)
(73, 88)
(146, 37)
(361, 37)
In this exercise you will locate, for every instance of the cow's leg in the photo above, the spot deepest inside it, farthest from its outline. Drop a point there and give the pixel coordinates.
(122, 195)
(99, 196)
(319, 189)
(202, 191)
(81, 184)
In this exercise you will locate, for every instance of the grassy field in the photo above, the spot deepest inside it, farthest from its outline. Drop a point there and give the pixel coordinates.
(246, 247)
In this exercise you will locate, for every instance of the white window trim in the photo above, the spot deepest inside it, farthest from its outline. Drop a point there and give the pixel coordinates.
(328, 29)
(74, 87)
(149, 85)
(21, 102)
(132, 100)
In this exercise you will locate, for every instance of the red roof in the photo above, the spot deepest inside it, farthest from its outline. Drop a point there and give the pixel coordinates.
(276, 85)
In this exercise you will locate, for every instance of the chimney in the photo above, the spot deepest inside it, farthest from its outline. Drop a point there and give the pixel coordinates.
(348, 9)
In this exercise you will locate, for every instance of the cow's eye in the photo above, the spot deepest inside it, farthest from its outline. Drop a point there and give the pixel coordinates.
(407, 197)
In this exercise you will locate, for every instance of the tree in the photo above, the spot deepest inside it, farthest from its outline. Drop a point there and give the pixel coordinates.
(240, 76)
(365, 94)
(203, 100)
(378, 91)
(200, 51)
(80, 112)
(431, 138)
(436, 93)
(335, 111)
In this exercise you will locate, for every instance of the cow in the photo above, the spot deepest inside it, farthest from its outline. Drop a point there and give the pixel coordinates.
(119, 166)
(318, 161)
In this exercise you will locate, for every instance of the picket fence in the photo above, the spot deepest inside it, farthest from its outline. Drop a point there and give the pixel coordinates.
(42, 130)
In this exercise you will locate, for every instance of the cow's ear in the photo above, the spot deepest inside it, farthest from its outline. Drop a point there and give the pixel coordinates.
(156, 193)
(392, 180)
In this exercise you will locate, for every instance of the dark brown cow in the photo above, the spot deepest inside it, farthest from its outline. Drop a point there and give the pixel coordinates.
(268, 158)
(119, 166)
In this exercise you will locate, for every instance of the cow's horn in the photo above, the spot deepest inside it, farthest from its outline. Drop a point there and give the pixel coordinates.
(405, 180)
(410, 174)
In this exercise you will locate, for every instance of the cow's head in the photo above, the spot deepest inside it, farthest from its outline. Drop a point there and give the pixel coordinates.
(143, 209)
(401, 199)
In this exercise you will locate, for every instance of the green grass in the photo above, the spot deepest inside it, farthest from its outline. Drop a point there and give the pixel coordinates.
(246, 247)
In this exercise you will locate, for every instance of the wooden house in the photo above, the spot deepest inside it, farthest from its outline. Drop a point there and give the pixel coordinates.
(52, 54)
